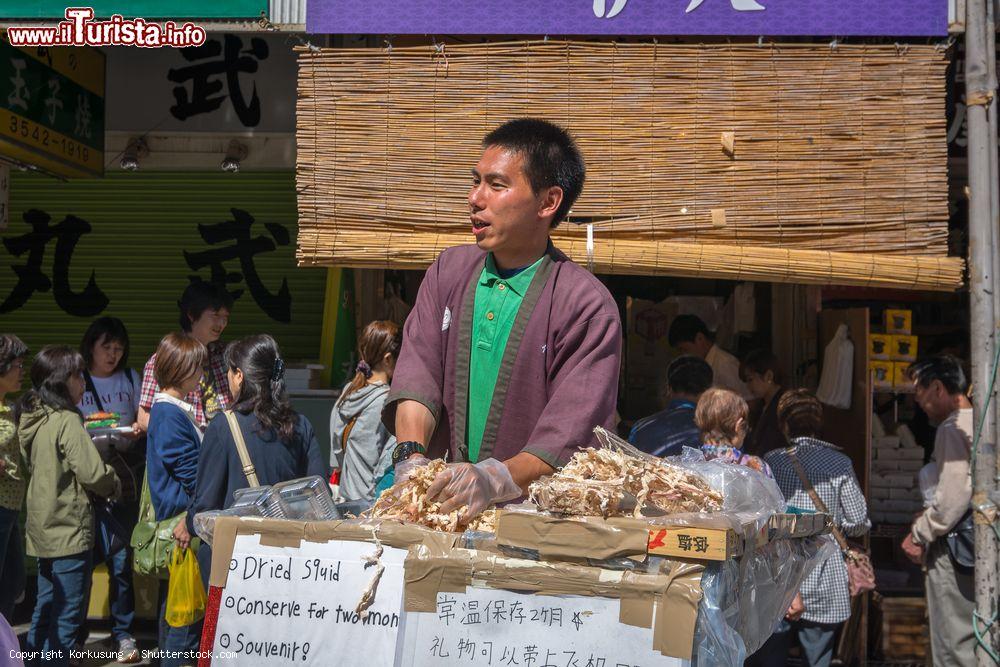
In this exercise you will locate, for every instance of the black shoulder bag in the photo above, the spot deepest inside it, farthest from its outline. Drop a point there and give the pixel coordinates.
(961, 541)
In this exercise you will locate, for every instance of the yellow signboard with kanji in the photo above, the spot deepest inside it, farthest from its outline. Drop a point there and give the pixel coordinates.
(52, 108)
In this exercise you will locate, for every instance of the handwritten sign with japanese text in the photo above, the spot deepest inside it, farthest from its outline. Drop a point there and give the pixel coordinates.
(296, 605)
(486, 627)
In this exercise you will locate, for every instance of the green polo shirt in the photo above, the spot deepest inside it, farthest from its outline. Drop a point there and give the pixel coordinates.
(497, 301)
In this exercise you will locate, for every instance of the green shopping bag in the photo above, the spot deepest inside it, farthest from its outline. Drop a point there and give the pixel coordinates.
(153, 541)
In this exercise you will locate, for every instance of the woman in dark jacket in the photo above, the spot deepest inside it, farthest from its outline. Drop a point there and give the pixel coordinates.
(762, 374)
(280, 441)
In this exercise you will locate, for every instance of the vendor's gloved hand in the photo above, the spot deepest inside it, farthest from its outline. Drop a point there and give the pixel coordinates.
(405, 468)
(475, 486)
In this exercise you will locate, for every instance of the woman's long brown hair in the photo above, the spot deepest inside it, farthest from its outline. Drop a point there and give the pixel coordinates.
(378, 339)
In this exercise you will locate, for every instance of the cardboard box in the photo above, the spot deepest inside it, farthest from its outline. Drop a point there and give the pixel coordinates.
(904, 348)
(881, 372)
(561, 538)
(887, 454)
(911, 465)
(883, 467)
(894, 518)
(898, 321)
(904, 506)
(906, 436)
(900, 380)
(894, 481)
(886, 441)
(879, 347)
(899, 454)
(880, 493)
(905, 494)
(664, 601)
(712, 539)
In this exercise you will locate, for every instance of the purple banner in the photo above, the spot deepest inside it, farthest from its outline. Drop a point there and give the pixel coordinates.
(890, 18)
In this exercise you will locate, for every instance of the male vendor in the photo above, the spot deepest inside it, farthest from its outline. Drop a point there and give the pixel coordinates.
(511, 354)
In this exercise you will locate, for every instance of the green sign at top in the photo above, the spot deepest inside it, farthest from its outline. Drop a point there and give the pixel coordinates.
(147, 9)
(48, 97)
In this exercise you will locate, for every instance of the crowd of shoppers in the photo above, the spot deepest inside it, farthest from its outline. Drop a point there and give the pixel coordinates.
(706, 409)
(82, 490)
(197, 398)
(709, 392)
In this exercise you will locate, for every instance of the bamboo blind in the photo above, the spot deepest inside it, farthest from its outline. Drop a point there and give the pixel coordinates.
(840, 151)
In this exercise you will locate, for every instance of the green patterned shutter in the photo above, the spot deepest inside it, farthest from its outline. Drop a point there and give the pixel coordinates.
(141, 226)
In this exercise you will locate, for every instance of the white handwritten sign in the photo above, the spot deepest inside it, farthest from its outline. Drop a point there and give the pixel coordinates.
(486, 627)
(295, 606)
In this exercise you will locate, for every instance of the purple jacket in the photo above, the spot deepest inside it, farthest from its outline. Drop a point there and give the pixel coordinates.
(559, 375)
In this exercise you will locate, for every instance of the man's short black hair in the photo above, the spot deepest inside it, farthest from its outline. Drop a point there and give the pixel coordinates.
(943, 367)
(685, 328)
(759, 362)
(200, 296)
(689, 374)
(551, 157)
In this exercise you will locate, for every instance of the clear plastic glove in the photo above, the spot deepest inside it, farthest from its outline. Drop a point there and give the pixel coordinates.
(404, 468)
(474, 486)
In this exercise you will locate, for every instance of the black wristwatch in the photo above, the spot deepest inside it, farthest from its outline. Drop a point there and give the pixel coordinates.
(405, 450)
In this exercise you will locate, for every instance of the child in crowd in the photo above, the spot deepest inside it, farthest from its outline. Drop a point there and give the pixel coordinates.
(722, 417)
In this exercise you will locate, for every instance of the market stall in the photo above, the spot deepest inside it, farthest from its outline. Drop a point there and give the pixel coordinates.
(699, 581)
(760, 186)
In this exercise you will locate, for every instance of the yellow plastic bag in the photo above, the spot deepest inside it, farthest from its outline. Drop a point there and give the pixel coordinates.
(185, 593)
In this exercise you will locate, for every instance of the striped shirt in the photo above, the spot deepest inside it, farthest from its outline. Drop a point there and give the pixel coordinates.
(824, 592)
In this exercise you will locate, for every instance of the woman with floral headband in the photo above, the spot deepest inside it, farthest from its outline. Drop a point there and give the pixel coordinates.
(360, 446)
